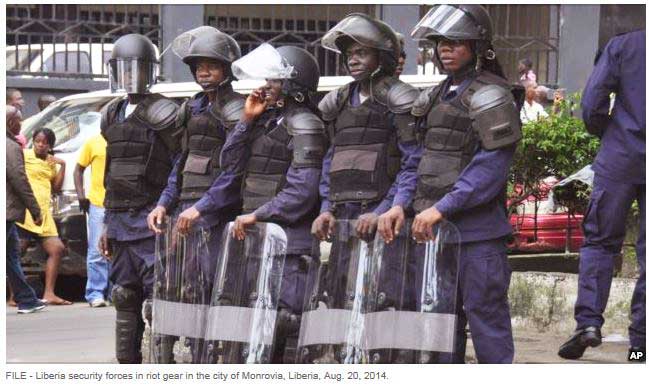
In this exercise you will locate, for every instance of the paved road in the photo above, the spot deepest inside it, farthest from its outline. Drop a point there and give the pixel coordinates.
(81, 334)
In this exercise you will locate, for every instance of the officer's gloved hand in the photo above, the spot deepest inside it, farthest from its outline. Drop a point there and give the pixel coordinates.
(84, 205)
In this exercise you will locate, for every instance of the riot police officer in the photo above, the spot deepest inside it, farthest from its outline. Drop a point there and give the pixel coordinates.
(278, 147)
(619, 181)
(141, 134)
(469, 125)
(205, 119)
(370, 167)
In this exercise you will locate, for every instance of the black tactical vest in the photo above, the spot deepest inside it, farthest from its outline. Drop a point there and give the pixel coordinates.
(269, 162)
(140, 162)
(448, 138)
(366, 158)
(204, 140)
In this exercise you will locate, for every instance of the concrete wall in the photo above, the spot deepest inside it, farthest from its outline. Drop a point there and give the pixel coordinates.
(578, 40)
(176, 19)
(402, 18)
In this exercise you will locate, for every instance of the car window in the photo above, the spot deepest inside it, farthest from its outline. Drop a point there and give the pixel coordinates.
(20, 59)
(73, 121)
(68, 62)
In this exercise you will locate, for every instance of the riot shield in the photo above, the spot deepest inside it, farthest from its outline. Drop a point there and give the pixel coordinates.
(383, 303)
(243, 313)
(183, 277)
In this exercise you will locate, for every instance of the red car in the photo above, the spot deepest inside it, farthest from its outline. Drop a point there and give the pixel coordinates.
(555, 230)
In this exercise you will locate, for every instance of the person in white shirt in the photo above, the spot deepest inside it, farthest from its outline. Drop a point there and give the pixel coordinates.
(531, 110)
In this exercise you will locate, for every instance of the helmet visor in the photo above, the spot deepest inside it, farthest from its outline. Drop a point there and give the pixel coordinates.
(264, 62)
(446, 21)
(180, 45)
(131, 75)
(359, 29)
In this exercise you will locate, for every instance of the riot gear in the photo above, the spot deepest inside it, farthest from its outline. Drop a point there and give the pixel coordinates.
(368, 32)
(139, 163)
(366, 158)
(129, 324)
(458, 22)
(271, 157)
(212, 44)
(205, 136)
(451, 137)
(295, 66)
(133, 65)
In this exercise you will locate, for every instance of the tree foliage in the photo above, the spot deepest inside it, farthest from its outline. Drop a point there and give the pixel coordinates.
(555, 146)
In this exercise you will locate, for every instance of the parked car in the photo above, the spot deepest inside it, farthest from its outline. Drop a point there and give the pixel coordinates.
(75, 118)
(553, 230)
(72, 59)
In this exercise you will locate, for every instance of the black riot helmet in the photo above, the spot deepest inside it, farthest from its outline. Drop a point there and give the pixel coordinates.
(212, 44)
(133, 65)
(368, 32)
(458, 22)
(296, 67)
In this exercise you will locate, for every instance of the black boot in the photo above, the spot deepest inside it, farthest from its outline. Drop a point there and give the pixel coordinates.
(575, 347)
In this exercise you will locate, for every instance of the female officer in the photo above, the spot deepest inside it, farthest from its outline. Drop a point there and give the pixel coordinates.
(469, 125)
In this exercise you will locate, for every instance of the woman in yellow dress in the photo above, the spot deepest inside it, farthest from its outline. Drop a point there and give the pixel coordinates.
(41, 169)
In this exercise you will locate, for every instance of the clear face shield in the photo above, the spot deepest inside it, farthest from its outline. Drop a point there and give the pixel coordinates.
(132, 76)
(359, 29)
(264, 62)
(447, 21)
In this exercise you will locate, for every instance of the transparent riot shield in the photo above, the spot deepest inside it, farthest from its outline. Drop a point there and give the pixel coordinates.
(383, 303)
(242, 316)
(181, 293)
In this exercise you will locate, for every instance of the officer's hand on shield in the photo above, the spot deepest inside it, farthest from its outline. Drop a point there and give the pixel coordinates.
(255, 105)
(422, 226)
(156, 218)
(366, 226)
(186, 219)
(391, 222)
(323, 226)
(240, 224)
(104, 246)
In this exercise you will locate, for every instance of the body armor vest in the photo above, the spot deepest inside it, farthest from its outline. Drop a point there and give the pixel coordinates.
(140, 162)
(366, 158)
(270, 159)
(448, 137)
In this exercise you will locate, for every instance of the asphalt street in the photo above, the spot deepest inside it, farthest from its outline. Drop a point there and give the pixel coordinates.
(81, 334)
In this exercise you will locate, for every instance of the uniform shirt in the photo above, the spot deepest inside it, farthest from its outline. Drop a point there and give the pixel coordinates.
(93, 154)
(40, 175)
(400, 193)
(620, 69)
(476, 203)
(210, 216)
(128, 225)
(294, 206)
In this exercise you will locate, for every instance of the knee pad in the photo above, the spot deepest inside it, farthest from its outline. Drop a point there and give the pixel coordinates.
(126, 299)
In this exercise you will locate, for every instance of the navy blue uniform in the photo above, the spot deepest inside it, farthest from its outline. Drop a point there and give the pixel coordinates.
(619, 178)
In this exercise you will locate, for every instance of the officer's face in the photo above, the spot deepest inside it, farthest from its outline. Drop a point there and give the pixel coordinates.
(273, 90)
(361, 60)
(209, 73)
(454, 54)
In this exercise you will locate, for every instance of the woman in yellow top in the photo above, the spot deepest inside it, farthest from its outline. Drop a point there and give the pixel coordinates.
(41, 169)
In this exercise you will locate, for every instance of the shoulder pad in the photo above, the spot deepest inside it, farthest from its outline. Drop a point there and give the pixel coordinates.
(401, 97)
(495, 116)
(158, 111)
(424, 101)
(332, 103)
(302, 121)
(381, 88)
(108, 112)
(228, 110)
